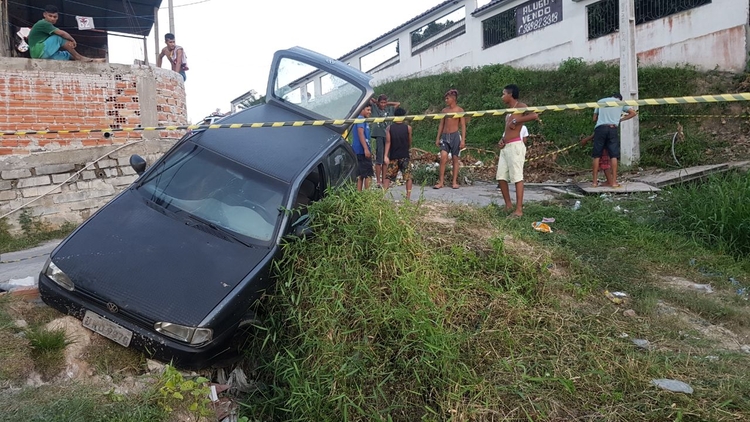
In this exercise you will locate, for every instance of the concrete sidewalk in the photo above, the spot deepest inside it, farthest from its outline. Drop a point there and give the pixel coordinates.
(26, 263)
(479, 194)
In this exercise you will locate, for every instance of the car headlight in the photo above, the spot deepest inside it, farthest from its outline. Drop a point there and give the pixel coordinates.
(58, 276)
(190, 335)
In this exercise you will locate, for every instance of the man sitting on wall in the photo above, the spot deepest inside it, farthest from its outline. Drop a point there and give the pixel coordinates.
(48, 42)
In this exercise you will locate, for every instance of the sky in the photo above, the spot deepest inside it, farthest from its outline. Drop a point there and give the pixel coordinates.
(230, 43)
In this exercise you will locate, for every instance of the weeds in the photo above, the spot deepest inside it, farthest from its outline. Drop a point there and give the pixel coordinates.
(480, 89)
(34, 232)
(47, 349)
(401, 314)
(715, 212)
(176, 392)
(75, 403)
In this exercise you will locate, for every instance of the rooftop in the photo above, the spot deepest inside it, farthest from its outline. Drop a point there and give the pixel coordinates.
(134, 17)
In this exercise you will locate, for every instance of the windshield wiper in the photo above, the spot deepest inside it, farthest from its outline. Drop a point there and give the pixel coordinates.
(216, 228)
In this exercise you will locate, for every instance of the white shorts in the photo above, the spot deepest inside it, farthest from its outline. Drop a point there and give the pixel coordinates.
(510, 164)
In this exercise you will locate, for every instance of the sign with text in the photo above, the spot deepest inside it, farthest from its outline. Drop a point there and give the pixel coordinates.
(85, 22)
(538, 14)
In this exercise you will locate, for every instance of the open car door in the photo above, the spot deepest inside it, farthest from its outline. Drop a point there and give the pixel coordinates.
(317, 86)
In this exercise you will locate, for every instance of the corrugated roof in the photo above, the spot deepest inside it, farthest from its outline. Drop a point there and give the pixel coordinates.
(403, 25)
(134, 17)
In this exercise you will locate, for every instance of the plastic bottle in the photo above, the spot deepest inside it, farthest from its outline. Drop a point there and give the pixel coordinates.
(577, 206)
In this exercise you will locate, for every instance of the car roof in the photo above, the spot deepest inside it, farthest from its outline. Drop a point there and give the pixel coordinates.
(280, 152)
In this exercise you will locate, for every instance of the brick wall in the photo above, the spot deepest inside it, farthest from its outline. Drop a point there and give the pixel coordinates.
(47, 95)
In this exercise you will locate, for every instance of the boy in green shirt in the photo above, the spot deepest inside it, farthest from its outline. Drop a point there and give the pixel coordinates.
(48, 42)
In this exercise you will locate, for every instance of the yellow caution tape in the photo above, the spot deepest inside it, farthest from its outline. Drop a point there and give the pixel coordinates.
(707, 116)
(745, 96)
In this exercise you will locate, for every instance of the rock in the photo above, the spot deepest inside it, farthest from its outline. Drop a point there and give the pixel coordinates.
(35, 380)
(629, 313)
(745, 348)
(155, 367)
(643, 344)
(80, 338)
(19, 323)
(672, 385)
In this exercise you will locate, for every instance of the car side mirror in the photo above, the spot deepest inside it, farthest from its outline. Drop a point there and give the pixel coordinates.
(138, 163)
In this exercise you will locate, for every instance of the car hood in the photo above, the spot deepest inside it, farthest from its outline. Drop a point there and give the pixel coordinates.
(151, 265)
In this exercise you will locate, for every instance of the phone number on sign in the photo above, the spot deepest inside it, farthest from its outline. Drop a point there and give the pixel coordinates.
(539, 23)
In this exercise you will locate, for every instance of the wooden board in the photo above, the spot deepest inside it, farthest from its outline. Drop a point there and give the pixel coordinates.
(673, 177)
(627, 187)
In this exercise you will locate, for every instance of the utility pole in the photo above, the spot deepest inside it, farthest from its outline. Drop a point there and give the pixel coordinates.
(171, 16)
(630, 131)
(156, 34)
(5, 34)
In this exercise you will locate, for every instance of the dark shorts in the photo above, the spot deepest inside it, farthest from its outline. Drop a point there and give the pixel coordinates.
(606, 137)
(396, 165)
(379, 149)
(451, 142)
(364, 166)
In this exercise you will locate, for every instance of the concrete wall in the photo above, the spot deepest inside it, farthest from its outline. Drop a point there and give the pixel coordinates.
(47, 95)
(712, 36)
(24, 178)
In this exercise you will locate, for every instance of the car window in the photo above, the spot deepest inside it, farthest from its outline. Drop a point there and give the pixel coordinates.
(340, 166)
(315, 90)
(205, 185)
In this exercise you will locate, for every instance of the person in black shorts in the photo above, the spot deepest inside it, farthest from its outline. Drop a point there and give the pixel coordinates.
(449, 139)
(361, 147)
(397, 148)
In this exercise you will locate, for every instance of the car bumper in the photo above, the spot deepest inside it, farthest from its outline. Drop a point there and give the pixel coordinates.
(149, 342)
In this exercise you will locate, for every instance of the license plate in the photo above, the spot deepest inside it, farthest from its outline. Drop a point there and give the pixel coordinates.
(107, 328)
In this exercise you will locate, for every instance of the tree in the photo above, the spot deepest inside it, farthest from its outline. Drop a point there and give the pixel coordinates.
(251, 98)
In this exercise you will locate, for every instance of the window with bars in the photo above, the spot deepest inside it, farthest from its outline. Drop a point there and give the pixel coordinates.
(604, 19)
(499, 28)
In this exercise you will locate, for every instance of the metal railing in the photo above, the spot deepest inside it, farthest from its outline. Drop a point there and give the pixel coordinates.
(499, 28)
(603, 16)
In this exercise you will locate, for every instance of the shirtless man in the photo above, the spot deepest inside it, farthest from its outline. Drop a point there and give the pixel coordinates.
(175, 54)
(449, 139)
(513, 151)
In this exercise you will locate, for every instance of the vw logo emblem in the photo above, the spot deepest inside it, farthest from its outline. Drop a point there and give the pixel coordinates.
(111, 307)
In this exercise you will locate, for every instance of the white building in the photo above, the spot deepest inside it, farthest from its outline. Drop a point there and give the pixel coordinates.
(708, 34)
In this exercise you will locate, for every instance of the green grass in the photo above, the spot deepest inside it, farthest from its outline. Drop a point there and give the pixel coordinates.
(573, 81)
(33, 232)
(47, 349)
(716, 212)
(76, 403)
(389, 314)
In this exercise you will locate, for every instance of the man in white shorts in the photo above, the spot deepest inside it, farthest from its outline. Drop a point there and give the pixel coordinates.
(513, 151)
(525, 136)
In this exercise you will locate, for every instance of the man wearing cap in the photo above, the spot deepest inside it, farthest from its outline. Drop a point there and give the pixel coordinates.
(606, 135)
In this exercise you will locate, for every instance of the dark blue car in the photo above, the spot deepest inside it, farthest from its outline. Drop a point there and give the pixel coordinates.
(172, 265)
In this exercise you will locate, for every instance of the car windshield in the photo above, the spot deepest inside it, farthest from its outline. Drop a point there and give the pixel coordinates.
(217, 191)
(316, 90)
